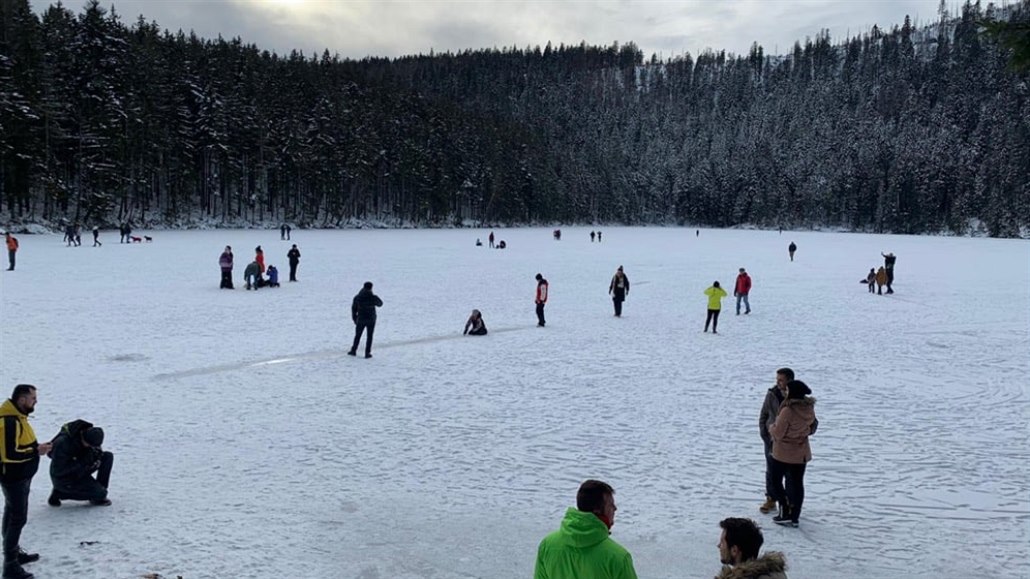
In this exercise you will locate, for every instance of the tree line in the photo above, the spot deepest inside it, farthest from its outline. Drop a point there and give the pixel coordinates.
(917, 129)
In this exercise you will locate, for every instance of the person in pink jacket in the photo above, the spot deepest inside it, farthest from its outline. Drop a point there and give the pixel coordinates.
(794, 423)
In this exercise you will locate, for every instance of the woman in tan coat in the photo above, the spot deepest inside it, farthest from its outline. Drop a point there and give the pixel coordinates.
(794, 423)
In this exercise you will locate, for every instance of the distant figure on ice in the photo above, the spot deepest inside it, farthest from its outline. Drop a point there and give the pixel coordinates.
(282, 232)
(96, 237)
(12, 249)
(870, 279)
(541, 299)
(273, 276)
(121, 233)
(491, 239)
(618, 289)
(252, 275)
(791, 452)
(741, 289)
(288, 231)
(791, 249)
(77, 453)
(502, 245)
(259, 257)
(888, 262)
(294, 256)
(592, 236)
(363, 312)
(479, 243)
(881, 280)
(715, 295)
(599, 236)
(475, 326)
(225, 262)
(738, 551)
(557, 234)
(582, 547)
(697, 233)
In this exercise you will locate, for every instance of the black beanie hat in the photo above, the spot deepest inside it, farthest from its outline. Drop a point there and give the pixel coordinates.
(796, 389)
(94, 436)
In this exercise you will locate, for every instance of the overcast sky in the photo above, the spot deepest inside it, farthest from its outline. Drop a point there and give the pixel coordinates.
(358, 28)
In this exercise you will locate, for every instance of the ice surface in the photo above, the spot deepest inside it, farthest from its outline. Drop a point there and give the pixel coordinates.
(248, 445)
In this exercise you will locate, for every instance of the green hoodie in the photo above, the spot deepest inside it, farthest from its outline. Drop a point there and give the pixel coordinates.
(582, 549)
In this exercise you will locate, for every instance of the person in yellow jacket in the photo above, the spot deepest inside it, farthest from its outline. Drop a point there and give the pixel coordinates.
(582, 547)
(19, 460)
(715, 295)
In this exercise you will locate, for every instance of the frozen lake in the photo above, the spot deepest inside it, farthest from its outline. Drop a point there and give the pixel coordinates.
(248, 445)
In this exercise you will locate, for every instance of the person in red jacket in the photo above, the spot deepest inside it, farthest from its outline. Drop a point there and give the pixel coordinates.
(259, 257)
(741, 290)
(12, 248)
(541, 299)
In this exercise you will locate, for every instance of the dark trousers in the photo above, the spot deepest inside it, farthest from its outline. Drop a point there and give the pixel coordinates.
(713, 317)
(618, 305)
(890, 280)
(87, 488)
(794, 493)
(16, 513)
(96, 241)
(10, 258)
(871, 288)
(293, 271)
(359, 327)
(540, 321)
(770, 472)
(226, 279)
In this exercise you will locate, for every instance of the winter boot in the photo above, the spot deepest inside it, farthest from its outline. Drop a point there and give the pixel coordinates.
(783, 517)
(352, 353)
(100, 502)
(53, 501)
(768, 506)
(14, 570)
(24, 557)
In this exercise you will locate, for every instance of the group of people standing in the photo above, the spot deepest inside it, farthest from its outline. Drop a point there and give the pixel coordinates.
(253, 274)
(883, 276)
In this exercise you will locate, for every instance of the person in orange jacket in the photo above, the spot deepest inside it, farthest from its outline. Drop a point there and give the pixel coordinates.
(12, 248)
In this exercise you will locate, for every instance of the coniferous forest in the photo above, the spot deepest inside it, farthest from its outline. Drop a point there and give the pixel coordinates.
(917, 129)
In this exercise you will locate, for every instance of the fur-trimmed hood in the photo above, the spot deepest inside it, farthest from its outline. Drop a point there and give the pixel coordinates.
(772, 565)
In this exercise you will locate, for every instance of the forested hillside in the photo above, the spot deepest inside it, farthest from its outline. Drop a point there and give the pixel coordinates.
(910, 130)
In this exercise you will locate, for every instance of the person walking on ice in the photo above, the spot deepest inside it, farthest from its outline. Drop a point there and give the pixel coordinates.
(888, 263)
(96, 237)
(541, 299)
(870, 280)
(741, 289)
(363, 313)
(791, 249)
(618, 289)
(12, 249)
(294, 256)
(715, 295)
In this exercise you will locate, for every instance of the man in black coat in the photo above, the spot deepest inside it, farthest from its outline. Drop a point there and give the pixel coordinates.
(76, 455)
(363, 312)
(294, 256)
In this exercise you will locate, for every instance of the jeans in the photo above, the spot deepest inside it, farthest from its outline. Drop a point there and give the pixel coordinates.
(746, 303)
(16, 514)
(359, 327)
(540, 315)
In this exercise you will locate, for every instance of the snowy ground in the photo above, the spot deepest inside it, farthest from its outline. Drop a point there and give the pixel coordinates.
(248, 445)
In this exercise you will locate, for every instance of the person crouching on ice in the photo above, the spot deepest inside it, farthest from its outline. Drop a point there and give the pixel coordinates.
(75, 456)
(475, 326)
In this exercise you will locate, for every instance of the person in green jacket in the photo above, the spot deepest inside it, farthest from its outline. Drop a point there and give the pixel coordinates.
(715, 295)
(582, 548)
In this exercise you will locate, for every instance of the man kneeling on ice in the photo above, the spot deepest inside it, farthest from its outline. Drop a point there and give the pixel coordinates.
(76, 455)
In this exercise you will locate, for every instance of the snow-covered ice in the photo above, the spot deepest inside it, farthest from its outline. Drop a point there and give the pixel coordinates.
(248, 445)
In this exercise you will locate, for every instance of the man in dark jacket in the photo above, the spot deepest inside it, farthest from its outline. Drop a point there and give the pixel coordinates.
(770, 409)
(738, 551)
(76, 455)
(888, 263)
(363, 312)
(618, 290)
(19, 456)
(294, 256)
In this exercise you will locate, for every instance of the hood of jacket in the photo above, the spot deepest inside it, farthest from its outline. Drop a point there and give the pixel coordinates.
(772, 565)
(804, 407)
(581, 529)
(9, 409)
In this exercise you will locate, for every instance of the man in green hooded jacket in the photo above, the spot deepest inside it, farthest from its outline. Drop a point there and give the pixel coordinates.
(582, 548)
